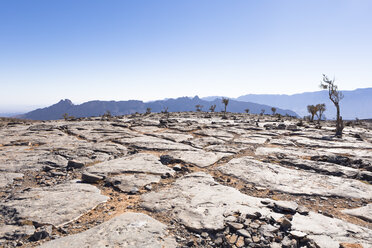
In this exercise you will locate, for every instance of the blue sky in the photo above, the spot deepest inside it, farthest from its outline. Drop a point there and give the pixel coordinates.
(140, 49)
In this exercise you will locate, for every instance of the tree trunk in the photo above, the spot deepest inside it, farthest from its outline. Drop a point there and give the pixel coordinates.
(339, 124)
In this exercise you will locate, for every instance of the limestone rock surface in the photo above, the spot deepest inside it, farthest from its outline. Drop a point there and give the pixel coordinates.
(56, 205)
(200, 202)
(126, 230)
(287, 180)
(330, 232)
(364, 213)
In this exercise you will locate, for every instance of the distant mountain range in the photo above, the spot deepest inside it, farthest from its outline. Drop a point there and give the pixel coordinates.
(10, 114)
(97, 108)
(356, 103)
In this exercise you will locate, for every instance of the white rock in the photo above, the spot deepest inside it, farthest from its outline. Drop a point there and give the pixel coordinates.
(56, 205)
(8, 178)
(199, 157)
(126, 230)
(200, 202)
(364, 213)
(282, 179)
(329, 232)
(137, 163)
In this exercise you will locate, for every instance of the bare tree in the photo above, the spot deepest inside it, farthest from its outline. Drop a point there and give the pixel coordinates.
(262, 111)
(198, 107)
(312, 110)
(212, 108)
(165, 111)
(225, 101)
(65, 116)
(246, 110)
(321, 107)
(107, 114)
(273, 110)
(335, 96)
(148, 111)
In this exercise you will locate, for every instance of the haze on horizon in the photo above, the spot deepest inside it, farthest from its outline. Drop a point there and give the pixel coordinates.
(118, 50)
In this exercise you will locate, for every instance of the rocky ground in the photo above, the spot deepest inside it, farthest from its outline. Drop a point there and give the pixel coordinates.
(185, 180)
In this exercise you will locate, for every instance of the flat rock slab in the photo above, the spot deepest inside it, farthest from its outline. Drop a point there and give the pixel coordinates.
(322, 167)
(200, 158)
(364, 213)
(251, 139)
(205, 141)
(216, 133)
(137, 163)
(55, 205)
(10, 231)
(329, 232)
(291, 181)
(175, 137)
(200, 203)
(153, 143)
(7, 178)
(100, 131)
(236, 148)
(131, 183)
(341, 143)
(126, 230)
(286, 151)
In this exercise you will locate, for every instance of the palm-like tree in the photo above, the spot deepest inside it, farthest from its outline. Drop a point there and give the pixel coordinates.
(212, 108)
(198, 107)
(225, 102)
(148, 111)
(273, 110)
(312, 110)
(320, 110)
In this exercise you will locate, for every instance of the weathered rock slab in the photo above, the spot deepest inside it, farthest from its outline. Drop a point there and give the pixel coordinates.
(172, 136)
(7, 178)
(200, 203)
(126, 230)
(200, 158)
(55, 205)
(131, 183)
(153, 143)
(364, 213)
(287, 180)
(322, 167)
(220, 134)
(137, 163)
(329, 232)
(14, 232)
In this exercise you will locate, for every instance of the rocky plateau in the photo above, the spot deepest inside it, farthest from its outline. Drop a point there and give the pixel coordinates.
(189, 179)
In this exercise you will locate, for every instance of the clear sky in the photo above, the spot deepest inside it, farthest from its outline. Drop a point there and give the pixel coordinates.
(141, 49)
